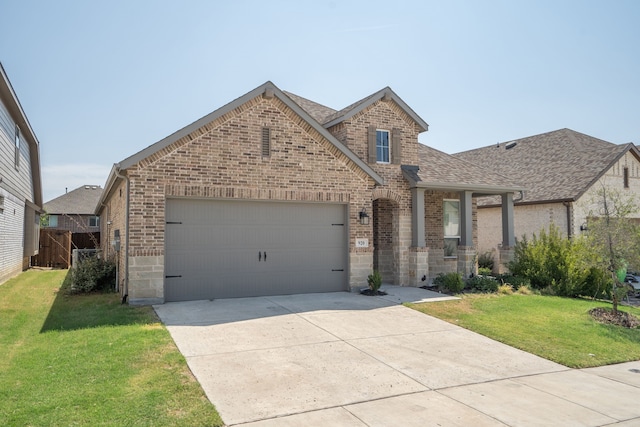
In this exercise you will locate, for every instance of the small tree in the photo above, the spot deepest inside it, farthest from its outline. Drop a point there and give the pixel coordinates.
(613, 237)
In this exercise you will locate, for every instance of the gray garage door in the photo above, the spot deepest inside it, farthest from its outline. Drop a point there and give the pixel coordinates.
(228, 249)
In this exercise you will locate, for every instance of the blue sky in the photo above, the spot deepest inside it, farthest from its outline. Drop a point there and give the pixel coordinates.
(100, 81)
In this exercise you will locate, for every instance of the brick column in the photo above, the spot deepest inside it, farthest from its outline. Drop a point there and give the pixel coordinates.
(418, 265)
(360, 266)
(505, 255)
(467, 261)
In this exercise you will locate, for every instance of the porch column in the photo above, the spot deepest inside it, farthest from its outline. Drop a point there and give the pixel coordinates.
(508, 234)
(417, 218)
(466, 219)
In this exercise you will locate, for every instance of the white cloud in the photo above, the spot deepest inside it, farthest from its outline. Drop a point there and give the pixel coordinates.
(57, 178)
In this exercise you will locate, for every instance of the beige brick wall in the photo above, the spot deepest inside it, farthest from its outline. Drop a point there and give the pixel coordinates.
(528, 219)
(223, 160)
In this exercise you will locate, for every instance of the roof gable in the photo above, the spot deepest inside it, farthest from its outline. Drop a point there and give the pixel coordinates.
(553, 166)
(266, 90)
(385, 94)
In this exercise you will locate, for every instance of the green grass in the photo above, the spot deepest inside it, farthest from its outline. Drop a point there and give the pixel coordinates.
(558, 329)
(87, 360)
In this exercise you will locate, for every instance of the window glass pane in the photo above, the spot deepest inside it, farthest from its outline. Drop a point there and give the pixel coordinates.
(451, 247)
(53, 220)
(382, 146)
(94, 221)
(451, 218)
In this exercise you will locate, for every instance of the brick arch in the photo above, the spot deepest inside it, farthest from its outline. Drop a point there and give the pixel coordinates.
(385, 193)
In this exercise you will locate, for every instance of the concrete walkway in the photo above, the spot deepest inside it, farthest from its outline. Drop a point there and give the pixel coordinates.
(342, 359)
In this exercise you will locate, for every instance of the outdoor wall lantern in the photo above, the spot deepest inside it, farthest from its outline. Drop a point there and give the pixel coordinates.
(583, 227)
(364, 218)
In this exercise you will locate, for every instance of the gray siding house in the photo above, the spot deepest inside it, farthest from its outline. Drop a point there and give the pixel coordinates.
(20, 185)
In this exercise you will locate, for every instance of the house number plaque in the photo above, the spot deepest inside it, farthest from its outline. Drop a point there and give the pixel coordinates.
(362, 243)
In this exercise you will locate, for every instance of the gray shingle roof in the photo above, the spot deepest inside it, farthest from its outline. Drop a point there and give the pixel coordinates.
(441, 170)
(81, 201)
(553, 166)
(318, 111)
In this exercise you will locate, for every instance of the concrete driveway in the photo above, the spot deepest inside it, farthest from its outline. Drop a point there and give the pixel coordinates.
(341, 359)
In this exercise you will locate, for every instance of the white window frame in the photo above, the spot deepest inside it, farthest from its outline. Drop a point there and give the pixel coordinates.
(17, 144)
(388, 147)
(48, 222)
(444, 227)
(96, 220)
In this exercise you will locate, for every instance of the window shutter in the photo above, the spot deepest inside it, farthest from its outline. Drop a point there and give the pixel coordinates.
(371, 140)
(266, 142)
(396, 146)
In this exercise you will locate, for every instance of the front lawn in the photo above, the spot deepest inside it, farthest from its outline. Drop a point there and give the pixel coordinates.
(87, 360)
(558, 329)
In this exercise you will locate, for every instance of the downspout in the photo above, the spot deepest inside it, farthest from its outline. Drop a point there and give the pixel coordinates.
(126, 239)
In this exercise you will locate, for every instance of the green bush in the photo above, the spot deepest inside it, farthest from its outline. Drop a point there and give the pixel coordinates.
(374, 281)
(484, 271)
(93, 274)
(449, 282)
(483, 284)
(485, 260)
(516, 282)
(598, 284)
(553, 260)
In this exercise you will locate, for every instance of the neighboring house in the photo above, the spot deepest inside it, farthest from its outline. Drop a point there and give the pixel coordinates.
(562, 171)
(275, 194)
(20, 184)
(74, 210)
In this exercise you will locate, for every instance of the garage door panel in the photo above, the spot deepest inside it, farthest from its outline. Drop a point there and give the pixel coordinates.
(217, 248)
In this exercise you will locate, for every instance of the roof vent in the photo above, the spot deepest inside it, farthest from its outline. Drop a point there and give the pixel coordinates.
(510, 145)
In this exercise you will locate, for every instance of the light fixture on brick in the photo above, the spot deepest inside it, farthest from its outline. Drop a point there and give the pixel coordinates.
(364, 217)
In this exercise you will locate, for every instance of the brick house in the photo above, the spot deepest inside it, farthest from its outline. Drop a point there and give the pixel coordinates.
(74, 210)
(276, 194)
(20, 184)
(562, 171)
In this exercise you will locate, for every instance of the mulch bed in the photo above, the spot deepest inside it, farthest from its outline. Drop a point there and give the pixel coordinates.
(605, 315)
(370, 293)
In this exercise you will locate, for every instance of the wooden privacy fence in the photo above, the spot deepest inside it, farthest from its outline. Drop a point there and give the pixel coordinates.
(55, 249)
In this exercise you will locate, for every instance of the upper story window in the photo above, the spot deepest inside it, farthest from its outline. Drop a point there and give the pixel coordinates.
(17, 154)
(382, 146)
(94, 221)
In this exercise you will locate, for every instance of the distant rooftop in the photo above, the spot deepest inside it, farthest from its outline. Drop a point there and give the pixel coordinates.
(81, 201)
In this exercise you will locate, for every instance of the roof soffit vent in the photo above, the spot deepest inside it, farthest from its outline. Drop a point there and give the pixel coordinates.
(510, 145)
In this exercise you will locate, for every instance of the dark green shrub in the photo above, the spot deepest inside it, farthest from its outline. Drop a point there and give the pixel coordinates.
(598, 284)
(374, 281)
(483, 284)
(552, 260)
(451, 282)
(485, 260)
(93, 274)
(516, 282)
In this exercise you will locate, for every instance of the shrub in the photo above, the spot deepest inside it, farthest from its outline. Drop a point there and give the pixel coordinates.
(485, 260)
(505, 289)
(552, 260)
(93, 274)
(483, 271)
(515, 281)
(598, 284)
(374, 281)
(449, 282)
(483, 284)
(524, 290)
